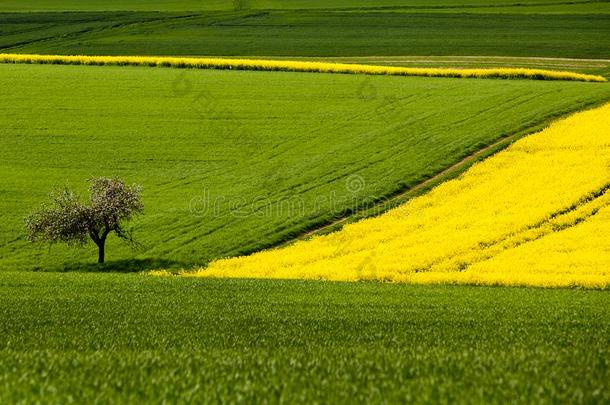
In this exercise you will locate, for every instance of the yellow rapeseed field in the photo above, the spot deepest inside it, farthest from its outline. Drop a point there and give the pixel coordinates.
(297, 66)
(535, 214)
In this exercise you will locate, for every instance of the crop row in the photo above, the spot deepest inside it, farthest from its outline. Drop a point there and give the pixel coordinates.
(299, 66)
(535, 214)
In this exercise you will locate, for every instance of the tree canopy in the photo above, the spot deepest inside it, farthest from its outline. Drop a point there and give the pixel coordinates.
(68, 220)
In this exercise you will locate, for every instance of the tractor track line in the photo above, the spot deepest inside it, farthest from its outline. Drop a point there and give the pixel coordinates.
(444, 175)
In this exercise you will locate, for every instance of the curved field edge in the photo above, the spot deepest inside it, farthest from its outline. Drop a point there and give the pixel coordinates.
(402, 196)
(477, 111)
(532, 215)
(300, 66)
(391, 201)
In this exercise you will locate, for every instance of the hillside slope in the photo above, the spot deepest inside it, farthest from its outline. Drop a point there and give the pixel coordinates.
(312, 28)
(232, 162)
(225, 5)
(307, 33)
(535, 214)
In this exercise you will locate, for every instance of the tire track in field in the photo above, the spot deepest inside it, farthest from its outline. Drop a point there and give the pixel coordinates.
(462, 6)
(387, 201)
(445, 174)
(106, 25)
(411, 192)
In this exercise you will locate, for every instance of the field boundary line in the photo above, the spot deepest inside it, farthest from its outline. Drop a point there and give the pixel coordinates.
(298, 66)
(451, 172)
(443, 175)
(423, 58)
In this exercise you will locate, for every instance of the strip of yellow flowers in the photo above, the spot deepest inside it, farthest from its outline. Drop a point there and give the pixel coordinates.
(535, 214)
(296, 66)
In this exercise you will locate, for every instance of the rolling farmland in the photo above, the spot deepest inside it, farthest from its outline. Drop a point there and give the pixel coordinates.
(308, 33)
(232, 5)
(308, 28)
(550, 185)
(272, 153)
(232, 162)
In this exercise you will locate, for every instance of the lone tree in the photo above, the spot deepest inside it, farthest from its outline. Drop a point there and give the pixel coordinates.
(66, 219)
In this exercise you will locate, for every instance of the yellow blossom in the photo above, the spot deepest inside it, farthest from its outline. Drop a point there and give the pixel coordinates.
(535, 214)
(298, 66)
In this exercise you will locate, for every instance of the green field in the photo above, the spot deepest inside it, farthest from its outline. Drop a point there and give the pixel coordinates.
(232, 162)
(313, 28)
(307, 33)
(132, 338)
(230, 5)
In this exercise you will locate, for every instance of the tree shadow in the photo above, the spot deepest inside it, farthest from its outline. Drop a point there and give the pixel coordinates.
(121, 266)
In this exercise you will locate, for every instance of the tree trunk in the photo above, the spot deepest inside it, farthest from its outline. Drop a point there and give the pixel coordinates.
(101, 251)
(100, 241)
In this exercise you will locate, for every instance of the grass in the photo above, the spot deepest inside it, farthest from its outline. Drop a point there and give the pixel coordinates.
(127, 338)
(311, 33)
(235, 161)
(224, 5)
